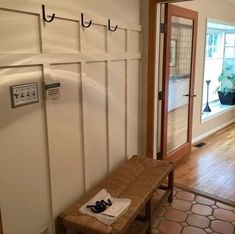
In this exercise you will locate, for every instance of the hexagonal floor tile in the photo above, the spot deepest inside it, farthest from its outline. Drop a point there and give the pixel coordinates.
(201, 209)
(176, 215)
(220, 205)
(225, 215)
(169, 227)
(193, 230)
(198, 221)
(204, 201)
(181, 205)
(185, 196)
(198, 216)
(222, 227)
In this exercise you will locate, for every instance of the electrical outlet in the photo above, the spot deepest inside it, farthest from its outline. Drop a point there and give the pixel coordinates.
(44, 230)
(24, 94)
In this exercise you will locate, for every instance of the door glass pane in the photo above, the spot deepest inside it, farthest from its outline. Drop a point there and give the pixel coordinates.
(179, 82)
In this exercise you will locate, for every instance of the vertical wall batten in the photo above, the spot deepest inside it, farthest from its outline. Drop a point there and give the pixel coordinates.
(107, 111)
(46, 73)
(126, 62)
(82, 127)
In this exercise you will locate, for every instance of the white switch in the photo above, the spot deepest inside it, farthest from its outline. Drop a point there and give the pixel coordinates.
(24, 94)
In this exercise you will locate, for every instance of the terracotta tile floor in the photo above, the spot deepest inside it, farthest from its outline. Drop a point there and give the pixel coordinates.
(193, 214)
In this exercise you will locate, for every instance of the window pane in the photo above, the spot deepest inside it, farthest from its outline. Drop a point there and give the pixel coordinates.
(213, 45)
(230, 40)
(229, 52)
(213, 69)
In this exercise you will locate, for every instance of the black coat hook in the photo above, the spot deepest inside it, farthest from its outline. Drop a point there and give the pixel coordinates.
(109, 26)
(45, 17)
(83, 22)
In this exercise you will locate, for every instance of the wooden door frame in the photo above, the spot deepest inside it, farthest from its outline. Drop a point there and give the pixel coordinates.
(151, 74)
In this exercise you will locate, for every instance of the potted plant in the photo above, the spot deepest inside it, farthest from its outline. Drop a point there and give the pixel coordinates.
(226, 90)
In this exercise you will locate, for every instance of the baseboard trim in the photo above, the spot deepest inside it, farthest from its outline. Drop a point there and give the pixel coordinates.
(206, 134)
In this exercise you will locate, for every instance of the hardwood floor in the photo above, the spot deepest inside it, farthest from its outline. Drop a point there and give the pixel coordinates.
(177, 127)
(211, 168)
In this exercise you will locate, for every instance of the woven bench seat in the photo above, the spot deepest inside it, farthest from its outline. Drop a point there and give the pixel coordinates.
(137, 179)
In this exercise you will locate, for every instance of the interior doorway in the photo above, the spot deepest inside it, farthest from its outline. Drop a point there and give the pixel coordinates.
(152, 86)
(177, 49)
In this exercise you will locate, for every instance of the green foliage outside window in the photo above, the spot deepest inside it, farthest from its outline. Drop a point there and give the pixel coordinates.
(227, 80)
(212, 43)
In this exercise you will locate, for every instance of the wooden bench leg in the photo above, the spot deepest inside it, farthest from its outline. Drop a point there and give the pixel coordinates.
(171, 186)
(149, 215)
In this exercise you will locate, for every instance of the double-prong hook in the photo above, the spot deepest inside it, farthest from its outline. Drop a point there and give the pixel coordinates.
(45, 16)
(110, 28)
(83, 22)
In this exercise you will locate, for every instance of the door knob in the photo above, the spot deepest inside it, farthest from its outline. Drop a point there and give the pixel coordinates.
(186, 95)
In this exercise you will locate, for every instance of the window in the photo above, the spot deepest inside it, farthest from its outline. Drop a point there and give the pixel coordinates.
(230, 46)
(212, 48)
(219, 54)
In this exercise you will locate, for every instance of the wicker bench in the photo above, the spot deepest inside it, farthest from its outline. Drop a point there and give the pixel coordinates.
(137, 179)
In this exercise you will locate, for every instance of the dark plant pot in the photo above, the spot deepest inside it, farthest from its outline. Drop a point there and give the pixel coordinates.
(228, 99)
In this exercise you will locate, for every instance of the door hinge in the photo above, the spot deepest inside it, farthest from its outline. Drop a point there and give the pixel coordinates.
(163, 28)
(159, 156)
(160, 95)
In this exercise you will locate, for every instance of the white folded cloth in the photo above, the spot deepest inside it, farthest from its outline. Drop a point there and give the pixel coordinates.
(111, 214)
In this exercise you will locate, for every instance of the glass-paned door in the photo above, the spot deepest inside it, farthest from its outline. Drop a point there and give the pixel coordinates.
(178, 81)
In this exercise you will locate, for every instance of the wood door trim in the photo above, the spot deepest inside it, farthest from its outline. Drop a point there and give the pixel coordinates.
(165, 82)
(193, 70)
(151, 74)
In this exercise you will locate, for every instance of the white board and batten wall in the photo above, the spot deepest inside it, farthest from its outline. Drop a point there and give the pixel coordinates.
(53, 151)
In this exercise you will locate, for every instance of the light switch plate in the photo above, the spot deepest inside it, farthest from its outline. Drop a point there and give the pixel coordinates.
(24, 94)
